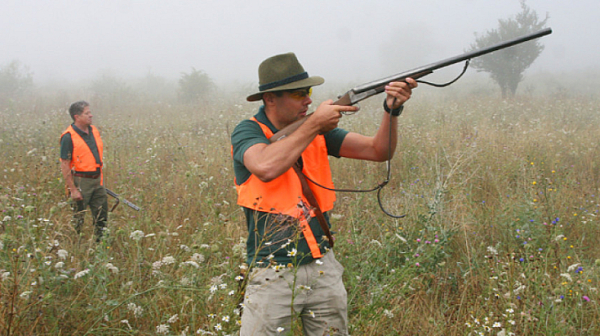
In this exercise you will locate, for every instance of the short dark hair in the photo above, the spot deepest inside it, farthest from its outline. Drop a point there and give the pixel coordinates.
(277, 93)
(77, 108)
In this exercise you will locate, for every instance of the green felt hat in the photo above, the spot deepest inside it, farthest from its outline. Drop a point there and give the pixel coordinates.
(282, 72)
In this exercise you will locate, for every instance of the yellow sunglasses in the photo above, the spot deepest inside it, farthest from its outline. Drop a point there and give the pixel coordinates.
(300, 94)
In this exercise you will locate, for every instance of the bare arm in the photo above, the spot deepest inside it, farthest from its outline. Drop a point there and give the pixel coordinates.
(379, 147)
(65, 167)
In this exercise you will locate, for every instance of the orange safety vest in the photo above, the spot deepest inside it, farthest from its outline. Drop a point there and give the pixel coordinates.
(283, 194)
(82, 159)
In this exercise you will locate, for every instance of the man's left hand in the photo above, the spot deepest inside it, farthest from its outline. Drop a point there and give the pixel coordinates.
(399, 90)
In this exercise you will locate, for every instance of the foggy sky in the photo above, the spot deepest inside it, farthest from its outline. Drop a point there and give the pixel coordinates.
(345, 40)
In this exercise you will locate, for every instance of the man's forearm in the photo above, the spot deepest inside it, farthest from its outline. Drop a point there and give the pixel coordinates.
(384, 148)
(65, 167)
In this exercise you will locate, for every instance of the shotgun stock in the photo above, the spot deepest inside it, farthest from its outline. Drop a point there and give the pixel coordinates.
(367, 90)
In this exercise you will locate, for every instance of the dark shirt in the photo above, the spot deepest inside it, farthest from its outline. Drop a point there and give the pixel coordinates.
(265, 227)
(66, 146)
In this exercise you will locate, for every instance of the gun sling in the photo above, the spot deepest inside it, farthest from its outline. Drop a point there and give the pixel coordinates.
(310, 197)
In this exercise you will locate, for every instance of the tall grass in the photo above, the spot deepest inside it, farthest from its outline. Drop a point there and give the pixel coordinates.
(500, 236)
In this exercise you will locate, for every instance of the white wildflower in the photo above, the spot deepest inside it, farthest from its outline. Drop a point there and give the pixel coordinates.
(82, 273)
(185, 248)
(218, 327)
(62, 254)
(304, 287)
(168, 260)
(566, 276)
(127, 323)
(192, 263)
(280, 329)
(572, 267)
(197, 257)
(559, 237)
(213, 289)
(6, 218)
(137, 235)
(388, 313)
(137, 310)
(162, 329)
(156, 265)
(492, 250)
(173, 319)
(5, 275)
(25, 295)
(112, 268)
(225, 318)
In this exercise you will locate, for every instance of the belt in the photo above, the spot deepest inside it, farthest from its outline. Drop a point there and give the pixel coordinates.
(95, 176)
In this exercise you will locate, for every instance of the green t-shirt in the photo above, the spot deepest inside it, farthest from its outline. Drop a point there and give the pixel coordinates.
(269, 234)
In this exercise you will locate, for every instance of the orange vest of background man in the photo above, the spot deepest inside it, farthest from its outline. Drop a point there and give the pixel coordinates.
(83, 160)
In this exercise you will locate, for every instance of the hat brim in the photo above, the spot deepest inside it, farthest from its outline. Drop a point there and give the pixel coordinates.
(310, 81)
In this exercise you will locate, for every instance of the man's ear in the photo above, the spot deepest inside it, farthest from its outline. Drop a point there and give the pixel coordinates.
(269, 98)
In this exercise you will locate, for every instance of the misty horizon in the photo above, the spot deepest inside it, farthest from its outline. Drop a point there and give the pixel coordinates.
(342, 41)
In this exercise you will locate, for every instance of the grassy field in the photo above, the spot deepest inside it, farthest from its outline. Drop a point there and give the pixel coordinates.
(501, 233)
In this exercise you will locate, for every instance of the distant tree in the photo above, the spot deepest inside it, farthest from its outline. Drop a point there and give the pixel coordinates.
(506, 66)
(194, 86)
(15, 79)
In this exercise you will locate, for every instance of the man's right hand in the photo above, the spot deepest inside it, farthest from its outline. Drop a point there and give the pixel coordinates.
(327, 116)
(76, 195)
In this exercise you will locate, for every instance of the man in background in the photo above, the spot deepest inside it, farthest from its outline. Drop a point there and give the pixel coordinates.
(289, 246)
(81, 165)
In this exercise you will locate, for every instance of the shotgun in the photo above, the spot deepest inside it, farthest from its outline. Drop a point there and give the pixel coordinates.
(118, 198)
(367, 90)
